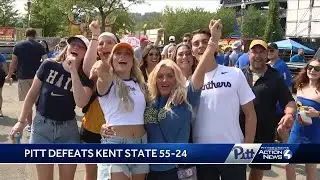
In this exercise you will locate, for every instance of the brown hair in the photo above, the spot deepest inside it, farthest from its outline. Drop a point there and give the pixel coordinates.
(187, 35)
(143, 63)
(30, 32)
(302, 78)
(205, 31)
(175, 52)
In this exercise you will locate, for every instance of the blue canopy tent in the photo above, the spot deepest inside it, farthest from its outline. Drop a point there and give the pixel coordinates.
(293, 46)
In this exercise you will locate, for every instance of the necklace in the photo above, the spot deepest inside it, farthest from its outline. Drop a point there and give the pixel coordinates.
(214, 73)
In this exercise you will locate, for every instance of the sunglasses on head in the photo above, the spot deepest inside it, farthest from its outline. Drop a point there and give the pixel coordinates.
(316, 68)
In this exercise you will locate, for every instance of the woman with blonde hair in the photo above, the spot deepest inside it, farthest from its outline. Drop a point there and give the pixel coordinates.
(183, 57)
(308, 101)
(59, 86)
(99, 48)
(168, 123)
(151, 56)
(121, 90)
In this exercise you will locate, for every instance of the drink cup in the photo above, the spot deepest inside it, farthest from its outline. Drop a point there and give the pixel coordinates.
(305, 119)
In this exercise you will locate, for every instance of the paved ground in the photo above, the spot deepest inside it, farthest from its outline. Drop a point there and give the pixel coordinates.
(11, 109)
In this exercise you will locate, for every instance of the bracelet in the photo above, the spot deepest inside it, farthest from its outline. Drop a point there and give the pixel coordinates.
(211, 43)
(22, 122)
(94, 39)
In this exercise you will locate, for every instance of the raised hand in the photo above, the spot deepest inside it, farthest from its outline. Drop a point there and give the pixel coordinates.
(100, 69)
(215, 27)
(95, 28)
(72, 63)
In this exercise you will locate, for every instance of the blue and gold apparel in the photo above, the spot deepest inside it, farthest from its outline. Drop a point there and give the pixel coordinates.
(305, 134)
(173, 126)
(56, 99)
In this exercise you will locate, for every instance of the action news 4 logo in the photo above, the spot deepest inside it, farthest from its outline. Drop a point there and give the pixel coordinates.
(275, 153)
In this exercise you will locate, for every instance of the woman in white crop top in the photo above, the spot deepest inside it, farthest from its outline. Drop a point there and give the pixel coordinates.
(121, 91)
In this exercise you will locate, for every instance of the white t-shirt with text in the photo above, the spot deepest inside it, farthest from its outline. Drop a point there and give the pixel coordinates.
(217, 121)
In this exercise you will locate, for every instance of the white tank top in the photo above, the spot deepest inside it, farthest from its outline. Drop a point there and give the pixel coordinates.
(110, 102)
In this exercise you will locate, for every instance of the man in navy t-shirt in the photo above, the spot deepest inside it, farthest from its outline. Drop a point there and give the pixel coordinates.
(26, 59)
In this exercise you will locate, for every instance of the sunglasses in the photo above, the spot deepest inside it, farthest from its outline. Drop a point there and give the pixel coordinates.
(271, 50)
(316, 68)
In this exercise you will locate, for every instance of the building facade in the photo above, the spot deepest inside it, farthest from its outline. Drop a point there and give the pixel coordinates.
(303, 19)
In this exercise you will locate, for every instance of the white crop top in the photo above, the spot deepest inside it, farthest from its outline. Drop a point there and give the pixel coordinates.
(110, 103)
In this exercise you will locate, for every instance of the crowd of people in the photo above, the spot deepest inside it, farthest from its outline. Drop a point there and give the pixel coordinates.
(189, 93)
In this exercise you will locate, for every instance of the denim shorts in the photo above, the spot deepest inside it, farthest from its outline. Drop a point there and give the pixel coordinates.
(105, 170)
(48, 131)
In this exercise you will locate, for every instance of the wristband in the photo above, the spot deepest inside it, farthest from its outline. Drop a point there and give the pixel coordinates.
(94, 39)
(21, 122)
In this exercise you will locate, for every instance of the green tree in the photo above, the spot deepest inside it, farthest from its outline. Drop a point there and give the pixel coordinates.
(46, 14)
(179, 21)
(8, 16)
(106, 9)
(273, 31)
(228, 18)
(145, 22)
(123, 23)
(254, 23)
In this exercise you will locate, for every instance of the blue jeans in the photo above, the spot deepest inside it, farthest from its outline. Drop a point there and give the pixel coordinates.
(48, 131)
(105, 170)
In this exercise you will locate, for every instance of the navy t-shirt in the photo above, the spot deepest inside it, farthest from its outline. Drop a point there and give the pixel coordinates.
(56, 97)
(29, 53)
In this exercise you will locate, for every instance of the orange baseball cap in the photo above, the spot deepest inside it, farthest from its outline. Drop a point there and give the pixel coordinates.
(123, 45)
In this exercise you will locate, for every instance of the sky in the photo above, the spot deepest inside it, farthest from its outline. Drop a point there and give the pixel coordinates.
(156, 5)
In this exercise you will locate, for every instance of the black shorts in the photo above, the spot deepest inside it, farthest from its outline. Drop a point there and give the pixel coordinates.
(260, 166)
(87, 136)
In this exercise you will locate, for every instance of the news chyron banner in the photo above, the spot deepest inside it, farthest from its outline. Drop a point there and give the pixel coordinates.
(159, 153)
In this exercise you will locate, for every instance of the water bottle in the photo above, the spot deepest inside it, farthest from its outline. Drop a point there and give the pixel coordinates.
(16, 138)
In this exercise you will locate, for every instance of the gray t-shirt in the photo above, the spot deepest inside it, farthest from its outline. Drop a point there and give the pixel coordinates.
(138, 53)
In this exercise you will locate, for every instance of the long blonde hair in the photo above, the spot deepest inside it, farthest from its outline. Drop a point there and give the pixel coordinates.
(179, 89)
(126, 102)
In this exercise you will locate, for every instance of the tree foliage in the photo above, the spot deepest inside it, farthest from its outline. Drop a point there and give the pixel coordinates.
(8, 15)
(228, 18)
(273, 31)
(179, 21)
(46, 14)
(254, 23)
(108, 10)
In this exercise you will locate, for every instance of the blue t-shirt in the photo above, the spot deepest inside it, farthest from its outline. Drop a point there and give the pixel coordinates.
(29, 53)
(285, 74)
(226, 59)
(233, 58)
(2, 59)
(170, 127)
(56, 99)
(220, 59)
(284, 71)
(243, 61)
(297, 58)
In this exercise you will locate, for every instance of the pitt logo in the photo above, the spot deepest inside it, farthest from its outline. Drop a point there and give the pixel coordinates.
(240, 153)
(53, 75)
(211, 85)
